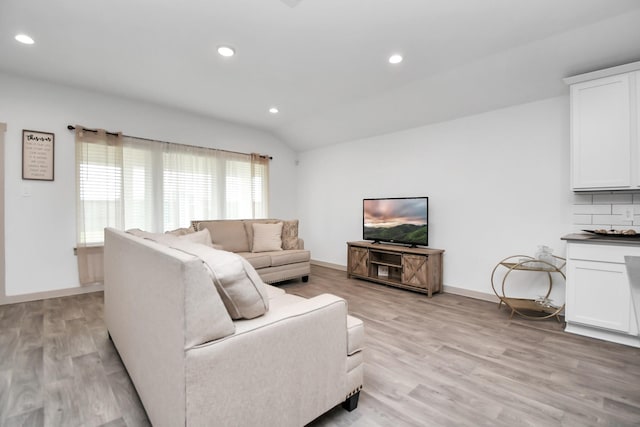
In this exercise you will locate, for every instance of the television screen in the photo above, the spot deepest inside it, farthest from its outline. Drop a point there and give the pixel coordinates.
(396, 220)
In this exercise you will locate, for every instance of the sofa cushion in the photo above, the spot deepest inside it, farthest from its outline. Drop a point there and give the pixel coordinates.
(283, 300)
(267, 237)
(354, 361)
(285, 307)
(355, 335)
(229, 234)
(274, 292)
(289, 257)
(242, 291)
(257, 260)
(290, 234)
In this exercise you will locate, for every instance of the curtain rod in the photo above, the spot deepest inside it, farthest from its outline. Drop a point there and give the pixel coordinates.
(71, 127)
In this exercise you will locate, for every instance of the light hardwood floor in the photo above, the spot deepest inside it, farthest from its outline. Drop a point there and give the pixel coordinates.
(445, 361)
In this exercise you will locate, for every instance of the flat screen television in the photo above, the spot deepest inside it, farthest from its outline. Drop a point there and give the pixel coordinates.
(403, 220)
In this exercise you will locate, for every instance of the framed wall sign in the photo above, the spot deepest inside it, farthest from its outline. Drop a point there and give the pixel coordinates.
(37, 155)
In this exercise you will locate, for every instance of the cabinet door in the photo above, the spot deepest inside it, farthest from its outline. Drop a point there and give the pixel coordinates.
(601, 133)
(598, 294)
(414, 270)
(358, 262)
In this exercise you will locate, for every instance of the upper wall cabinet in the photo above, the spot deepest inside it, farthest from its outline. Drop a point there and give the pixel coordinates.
(605, 112)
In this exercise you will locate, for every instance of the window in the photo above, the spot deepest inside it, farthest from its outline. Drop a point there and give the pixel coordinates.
(126, 182)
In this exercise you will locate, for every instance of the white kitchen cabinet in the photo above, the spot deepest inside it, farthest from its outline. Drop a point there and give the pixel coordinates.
(604, 129)
(598, 295)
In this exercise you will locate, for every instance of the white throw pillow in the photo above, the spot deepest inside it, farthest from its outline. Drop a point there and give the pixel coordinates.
(203, 237)
(241, 289)
(267, 237)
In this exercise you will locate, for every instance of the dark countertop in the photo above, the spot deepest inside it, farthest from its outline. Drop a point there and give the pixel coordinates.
(596, 238)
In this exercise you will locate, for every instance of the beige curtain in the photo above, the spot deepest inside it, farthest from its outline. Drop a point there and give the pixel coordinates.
(192, 185)
(127, 182)
(260, 185)
(99, 191)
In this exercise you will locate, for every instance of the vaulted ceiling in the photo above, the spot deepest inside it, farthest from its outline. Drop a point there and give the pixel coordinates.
(322, 63)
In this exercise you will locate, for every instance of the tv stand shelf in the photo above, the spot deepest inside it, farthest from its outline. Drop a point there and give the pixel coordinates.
(416, 269)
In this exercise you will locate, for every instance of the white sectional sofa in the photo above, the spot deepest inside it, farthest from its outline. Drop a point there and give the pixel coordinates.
(207, 343)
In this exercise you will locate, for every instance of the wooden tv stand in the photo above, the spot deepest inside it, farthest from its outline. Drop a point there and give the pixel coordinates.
(416, 269)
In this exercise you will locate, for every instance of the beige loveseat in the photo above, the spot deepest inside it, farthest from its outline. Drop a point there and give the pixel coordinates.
(207, 343)
(274, 262)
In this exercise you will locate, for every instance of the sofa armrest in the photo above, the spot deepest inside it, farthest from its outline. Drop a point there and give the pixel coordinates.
(300, 243)
(295, 355)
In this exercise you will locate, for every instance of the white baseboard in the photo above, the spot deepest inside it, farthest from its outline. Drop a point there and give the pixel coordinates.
(469, 293)
(446, 288)
(603, 334)
(14, 299)
(329, 265)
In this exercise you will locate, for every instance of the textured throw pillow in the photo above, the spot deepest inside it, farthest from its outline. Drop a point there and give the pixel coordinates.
(241, 289)
(267, 237)
(290, 234)
(180, 231)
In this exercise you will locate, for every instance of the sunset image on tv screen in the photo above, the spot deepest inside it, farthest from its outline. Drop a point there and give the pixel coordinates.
(396, 220)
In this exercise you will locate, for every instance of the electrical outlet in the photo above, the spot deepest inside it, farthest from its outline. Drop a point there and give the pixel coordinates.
(627, 213)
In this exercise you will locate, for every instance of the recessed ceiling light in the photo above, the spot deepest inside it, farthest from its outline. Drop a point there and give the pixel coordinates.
(25, 39)
(226, 51)
(274, 110)
(395, 59)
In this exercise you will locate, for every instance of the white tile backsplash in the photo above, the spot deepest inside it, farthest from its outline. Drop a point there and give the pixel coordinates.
(593, 211)
(583, 199)
(620, 209)
(605, 219)
(612, 199)
(582, 219)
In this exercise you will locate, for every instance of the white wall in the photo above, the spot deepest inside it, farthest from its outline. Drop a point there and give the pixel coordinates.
(498, 185)
(40, 228)
(498, 182)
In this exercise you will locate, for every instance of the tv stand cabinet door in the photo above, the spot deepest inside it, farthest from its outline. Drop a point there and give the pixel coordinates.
(415, 271)
(358, 262)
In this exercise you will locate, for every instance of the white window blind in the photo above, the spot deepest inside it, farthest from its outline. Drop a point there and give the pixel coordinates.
(158, 186)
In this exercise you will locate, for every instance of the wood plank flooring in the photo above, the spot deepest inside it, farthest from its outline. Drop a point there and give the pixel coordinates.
(444, 361)
(58, 367)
